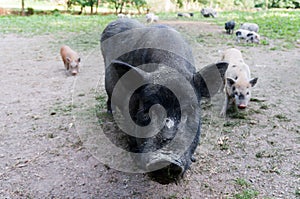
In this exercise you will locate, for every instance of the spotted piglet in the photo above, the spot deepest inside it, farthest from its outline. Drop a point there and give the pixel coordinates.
(238, 82)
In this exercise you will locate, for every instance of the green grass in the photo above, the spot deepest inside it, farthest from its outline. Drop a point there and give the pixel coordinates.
(274, 24)
(100, 107)
(101, 101)
(245, 190)
(264, 106)
(242, 182)
(52, 24)
(282, 117)
(80, 31)
(297, 192)
(62, 109)
(247, 194)
(232, 123)
(283, 25)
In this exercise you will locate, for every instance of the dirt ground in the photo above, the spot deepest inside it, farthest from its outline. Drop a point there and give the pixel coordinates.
(42, 155)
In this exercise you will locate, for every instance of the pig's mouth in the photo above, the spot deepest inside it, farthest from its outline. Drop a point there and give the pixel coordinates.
(168, 174)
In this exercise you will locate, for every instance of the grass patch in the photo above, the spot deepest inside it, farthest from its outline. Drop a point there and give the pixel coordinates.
(264, 154)
(282, 117)
(264, 107)
(297, 192)
(274, 48)
(101, 99)
(254, 111)
(238, 115)
(274, 24)
(100, 107)
(242, 182)
(173, 196)
(80, 31)
(235, 113)
(247, 194)
(231, 123)
(61, 109)
(264, 42)
(51, 24)
(257, 100)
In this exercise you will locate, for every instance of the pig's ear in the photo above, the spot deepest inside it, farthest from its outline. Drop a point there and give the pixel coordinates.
(210, 79)
(230, 81)
(253, 81)
(121, 68)
(68, 59)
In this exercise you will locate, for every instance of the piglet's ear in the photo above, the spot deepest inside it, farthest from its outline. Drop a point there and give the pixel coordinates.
(230, 81)
(68, 59)
(253, 81)
(210, 79)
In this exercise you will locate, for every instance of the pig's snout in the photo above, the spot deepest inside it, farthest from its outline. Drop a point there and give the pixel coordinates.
(170, 171)
(74, 73)
(242, 106)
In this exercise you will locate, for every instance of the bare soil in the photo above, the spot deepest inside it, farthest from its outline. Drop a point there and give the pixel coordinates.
(42, 155)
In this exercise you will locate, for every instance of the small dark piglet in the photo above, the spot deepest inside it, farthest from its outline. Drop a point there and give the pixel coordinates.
(229, 27)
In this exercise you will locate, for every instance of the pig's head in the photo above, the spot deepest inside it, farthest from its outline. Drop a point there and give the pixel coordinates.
(160, 110)
(229, 25)
(253, 37)
(73, 65)
(240, 91)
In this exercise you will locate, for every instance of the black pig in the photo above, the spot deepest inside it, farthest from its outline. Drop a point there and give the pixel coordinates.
(152, 85)
(229, 27)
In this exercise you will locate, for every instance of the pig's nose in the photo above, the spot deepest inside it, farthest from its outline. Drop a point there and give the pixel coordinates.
(74, 73)
(170, 171)
(242, 106)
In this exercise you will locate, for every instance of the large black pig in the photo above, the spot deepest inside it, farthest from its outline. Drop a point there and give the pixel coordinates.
(154, 94)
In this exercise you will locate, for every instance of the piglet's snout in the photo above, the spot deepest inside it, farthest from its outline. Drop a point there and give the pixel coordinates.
(74, 70)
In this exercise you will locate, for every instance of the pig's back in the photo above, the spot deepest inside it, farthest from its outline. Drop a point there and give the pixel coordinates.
(66, 51)
(233, 56)
(136, 44)
(118, 26)
(237, 67)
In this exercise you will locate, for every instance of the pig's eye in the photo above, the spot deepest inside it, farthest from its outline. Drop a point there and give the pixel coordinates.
(247, 93)
(233, 88)
(236, 93)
